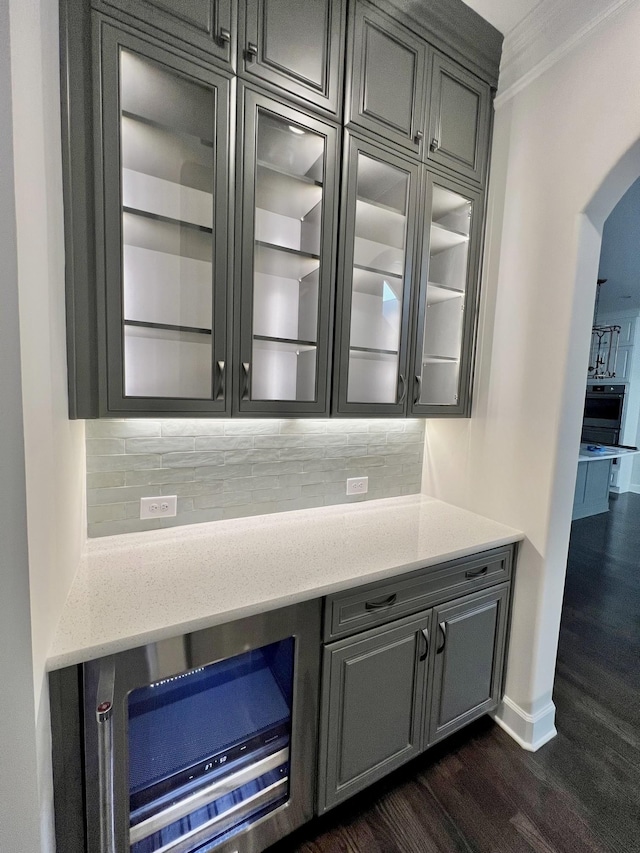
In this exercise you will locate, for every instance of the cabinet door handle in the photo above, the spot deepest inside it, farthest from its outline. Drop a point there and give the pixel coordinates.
(418, 394)
(244, 393)
(220, 381)
(402, 389)
(251, 53)
(418, 137)
(435, 144)
(104, 719)
(476, 573)
(425, 634)
(385, 602)
(443, 630)
(224, 36)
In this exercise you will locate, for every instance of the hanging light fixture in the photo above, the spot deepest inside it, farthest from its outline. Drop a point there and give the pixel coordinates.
(603, 356)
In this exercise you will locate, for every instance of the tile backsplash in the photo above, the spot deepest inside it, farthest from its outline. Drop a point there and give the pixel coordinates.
(232, 468)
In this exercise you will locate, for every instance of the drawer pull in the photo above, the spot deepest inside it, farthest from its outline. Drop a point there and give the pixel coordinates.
(377, 605)
(443, 630)
(476, 573)
(425, 634)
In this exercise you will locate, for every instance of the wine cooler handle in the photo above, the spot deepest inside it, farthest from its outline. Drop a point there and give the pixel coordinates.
(104, 718)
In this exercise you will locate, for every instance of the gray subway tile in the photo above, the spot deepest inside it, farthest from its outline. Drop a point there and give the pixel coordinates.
(223, 471)
(107, 512)
(347, 452)
(192, 427)
(222, 500)
(195, 487)
(303, 426)
(106, 479)
(122, 463)
(121, 428)
(104, 446)
(324, 464)
(323, 439)
(224, 442)
(253, 456)
(251, 427)
(302, 479)
(281, 441)
(162, 445)
(240, 484)
(159, 476)
(122, 494)
(282, 467)
(304, 453)
(192, 460)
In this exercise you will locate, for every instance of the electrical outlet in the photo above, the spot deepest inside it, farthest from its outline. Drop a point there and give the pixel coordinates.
(163, 506)
(357, 485)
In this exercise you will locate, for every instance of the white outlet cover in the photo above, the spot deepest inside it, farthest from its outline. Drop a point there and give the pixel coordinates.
(163, 506)
(357, 485)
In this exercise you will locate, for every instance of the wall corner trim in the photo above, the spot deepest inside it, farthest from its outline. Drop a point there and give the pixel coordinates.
(530, 731)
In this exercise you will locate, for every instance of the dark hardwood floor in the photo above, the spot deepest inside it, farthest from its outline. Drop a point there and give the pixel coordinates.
(478, 791)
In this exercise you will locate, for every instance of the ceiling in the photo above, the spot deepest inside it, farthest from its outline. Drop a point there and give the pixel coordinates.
(503, 14)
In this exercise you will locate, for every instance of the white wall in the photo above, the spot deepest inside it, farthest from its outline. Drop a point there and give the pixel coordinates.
(564, 153)
(19, 830)
(53, 446)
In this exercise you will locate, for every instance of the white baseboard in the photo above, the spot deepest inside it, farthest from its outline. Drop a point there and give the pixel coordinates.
(530, 731)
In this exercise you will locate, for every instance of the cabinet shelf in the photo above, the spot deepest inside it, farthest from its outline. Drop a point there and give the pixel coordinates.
(169, 327)
(287, 195)
(439, 359)
(284, 263)
(364, 351)
(158, 217)
(380, 224)
(437, 293)
(165, 126)
(445, 238)
(377, 271)
(181, 203)
(289, 341)
(378, 257)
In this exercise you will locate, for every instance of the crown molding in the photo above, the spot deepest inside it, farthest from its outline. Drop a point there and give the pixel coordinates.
(551, 30)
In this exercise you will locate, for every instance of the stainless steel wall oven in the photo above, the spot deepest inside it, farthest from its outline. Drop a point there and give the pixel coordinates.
(203, 742)
(603, 411)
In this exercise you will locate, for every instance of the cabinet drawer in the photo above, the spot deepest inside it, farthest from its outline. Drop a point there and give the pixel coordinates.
(377, 603)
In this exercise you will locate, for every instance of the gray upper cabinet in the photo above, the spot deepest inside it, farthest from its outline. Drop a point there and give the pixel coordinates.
(467, 657)
(162, 135)
(206, 25)
(376, 271)
(386, 85)
(459, 120)
(372, 701)
(286, 225)
(297, 48)
(446, 313)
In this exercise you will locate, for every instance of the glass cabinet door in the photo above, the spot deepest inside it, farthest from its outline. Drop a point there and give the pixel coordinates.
(165, 146)
(447, 299)
(376, 270)
(287, 238)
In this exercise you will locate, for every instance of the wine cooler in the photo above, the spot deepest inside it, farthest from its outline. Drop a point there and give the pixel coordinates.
(204, 742)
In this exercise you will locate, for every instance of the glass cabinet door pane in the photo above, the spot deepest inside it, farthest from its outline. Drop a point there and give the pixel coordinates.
(289, 182)
(167, 134)
(449, 232)
(377, 283)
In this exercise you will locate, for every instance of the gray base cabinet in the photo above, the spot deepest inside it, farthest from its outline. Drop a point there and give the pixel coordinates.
(468, 654)
(390, 692)
(591, 496)
(372, 721)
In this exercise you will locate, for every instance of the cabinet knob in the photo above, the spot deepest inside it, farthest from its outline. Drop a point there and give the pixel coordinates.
(419, 136)
(224, 36)
(435, 144)
(251, 53)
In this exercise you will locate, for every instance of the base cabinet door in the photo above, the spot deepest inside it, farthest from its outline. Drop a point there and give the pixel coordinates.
(467, 658)
(372, 702)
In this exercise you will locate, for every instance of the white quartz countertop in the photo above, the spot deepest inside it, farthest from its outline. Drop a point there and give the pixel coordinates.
(143, 587)
(605, 452)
